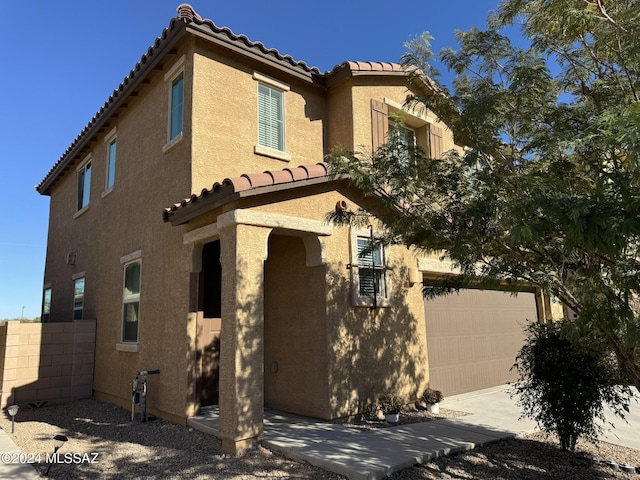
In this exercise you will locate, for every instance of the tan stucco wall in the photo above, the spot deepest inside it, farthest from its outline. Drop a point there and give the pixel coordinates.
(333, 358)
(126, 220)
(225, 127)
(295, 367)
(340, 125)
(350, 112)
(370, 352)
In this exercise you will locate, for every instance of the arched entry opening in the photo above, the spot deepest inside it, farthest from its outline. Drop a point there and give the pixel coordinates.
(295, 336)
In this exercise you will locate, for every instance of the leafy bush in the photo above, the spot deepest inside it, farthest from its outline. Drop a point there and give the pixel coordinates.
(390, 404)
(563, 386)
(431, 396)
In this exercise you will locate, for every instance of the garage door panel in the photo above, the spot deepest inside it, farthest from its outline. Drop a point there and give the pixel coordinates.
(473, 338)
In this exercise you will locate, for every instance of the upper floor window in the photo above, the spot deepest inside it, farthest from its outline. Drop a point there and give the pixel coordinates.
(177, 103)
(402, 140)
(78, 298)
(174, 81)
(111, 164)
(271, 117)
(84, 185)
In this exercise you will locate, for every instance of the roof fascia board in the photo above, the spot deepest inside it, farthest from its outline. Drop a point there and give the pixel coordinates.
(173, 37)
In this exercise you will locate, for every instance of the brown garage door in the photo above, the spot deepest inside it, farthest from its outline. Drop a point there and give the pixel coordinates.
(473, 338)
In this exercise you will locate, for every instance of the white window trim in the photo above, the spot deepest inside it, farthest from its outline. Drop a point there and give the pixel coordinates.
(108, 140)
(130, 257)
(413, 117)
(169, 77)
(272, 153)
(283, 87)
(78, 275)
(127, 347)
(121, 345)
(81, 166)
(272, 82)
(356, 299)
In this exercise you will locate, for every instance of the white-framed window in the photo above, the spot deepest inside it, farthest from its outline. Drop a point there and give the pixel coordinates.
(112, 143)
(271, 117)
(402, 139)
(176, 107)
(369, 270)
(175, 78)
(46, 305)
(84, 184)
(78, 297)
(131, 300)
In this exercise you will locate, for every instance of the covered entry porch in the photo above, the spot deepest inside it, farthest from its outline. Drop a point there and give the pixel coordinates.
(271, 293)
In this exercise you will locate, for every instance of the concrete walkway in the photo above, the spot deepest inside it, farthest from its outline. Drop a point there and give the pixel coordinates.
(374, 454)
(9, 469)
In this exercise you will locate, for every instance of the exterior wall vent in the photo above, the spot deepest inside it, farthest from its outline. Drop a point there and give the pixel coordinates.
(71, 258)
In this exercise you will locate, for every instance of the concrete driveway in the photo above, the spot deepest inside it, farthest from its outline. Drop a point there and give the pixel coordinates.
(493, 407)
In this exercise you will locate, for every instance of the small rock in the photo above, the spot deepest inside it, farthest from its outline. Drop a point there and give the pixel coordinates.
(614, 466)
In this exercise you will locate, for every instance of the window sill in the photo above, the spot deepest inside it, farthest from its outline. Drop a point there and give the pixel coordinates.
(368, 302)
(272, 153)
(173, 142)
(127, 347)
(81, 211)
(107, 192)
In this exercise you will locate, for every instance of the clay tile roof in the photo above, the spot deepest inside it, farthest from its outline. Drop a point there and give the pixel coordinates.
(254, 182)
(191, 16)
(369, 67)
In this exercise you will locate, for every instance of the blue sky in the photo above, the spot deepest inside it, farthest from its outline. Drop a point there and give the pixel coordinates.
(62, 60)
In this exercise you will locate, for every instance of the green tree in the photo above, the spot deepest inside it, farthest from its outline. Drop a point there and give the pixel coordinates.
(547, 187)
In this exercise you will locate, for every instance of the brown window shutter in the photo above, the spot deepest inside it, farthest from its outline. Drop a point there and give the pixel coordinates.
(379, 123)
(435, 141)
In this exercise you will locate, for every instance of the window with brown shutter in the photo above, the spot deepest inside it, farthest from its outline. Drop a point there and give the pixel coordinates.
(379, 123)
(435, 141)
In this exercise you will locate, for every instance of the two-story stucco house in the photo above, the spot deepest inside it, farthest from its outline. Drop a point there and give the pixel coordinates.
(188, 220)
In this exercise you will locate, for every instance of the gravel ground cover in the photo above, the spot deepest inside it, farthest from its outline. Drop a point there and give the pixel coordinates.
(160, 449)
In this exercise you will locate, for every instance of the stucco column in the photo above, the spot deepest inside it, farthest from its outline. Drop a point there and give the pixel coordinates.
(243, 250)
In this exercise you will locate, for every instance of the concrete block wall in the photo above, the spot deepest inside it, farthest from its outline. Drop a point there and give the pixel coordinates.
(46, 362)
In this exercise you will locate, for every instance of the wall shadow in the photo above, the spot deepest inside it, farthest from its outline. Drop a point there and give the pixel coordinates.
(373, 352)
